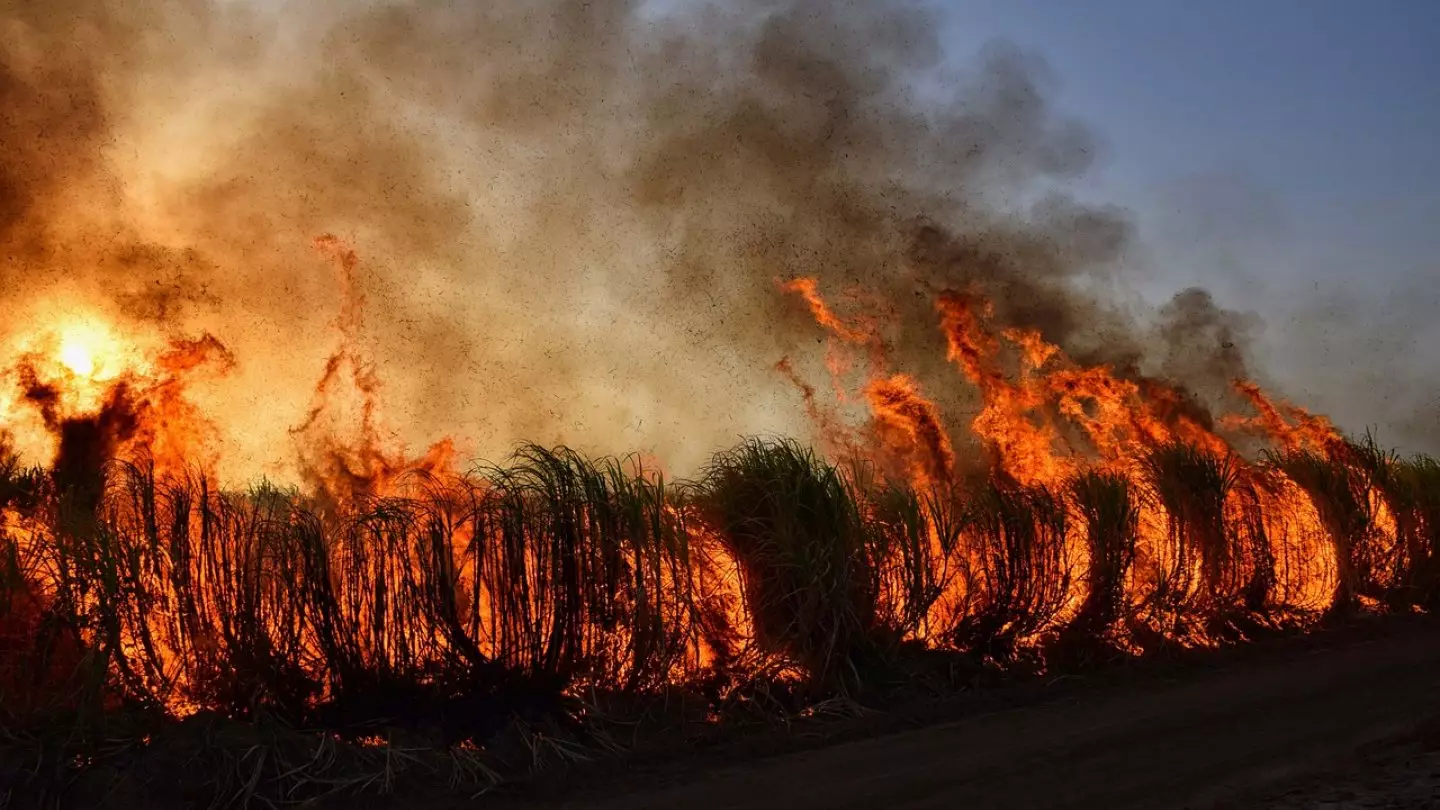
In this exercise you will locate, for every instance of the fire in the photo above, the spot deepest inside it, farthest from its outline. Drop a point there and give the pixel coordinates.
(1045, 418)
(78, 350)
(421, 563)
(900, 407)
(80, 356)
(345, 453)
(974, 476)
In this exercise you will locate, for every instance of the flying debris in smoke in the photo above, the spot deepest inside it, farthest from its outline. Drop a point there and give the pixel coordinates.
(565, 208)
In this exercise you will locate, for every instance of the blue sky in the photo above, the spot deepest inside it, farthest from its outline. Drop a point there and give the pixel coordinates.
(1280, 152)
(1329, 109)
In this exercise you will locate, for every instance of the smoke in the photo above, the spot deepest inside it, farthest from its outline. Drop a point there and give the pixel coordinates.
(1346, 330)
(1363, 351)
(570, 216)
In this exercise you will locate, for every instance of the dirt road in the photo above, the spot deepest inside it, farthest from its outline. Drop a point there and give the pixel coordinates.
(1221, 738)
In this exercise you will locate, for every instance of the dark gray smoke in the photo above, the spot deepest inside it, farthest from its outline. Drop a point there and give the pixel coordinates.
(572, 215)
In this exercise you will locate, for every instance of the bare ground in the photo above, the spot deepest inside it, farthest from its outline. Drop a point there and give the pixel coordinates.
(1398, 773)
(1344, 724)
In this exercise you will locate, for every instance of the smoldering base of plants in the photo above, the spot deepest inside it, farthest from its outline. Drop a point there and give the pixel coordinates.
(265, 613)
(207, 760)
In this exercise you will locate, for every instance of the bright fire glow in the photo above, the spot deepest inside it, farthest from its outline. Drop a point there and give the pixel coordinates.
(89, 349)
(77, 356)
(83, 356)
(82, 389)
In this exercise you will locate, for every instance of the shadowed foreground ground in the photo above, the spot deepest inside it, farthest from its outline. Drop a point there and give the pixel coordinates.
(1284, 731)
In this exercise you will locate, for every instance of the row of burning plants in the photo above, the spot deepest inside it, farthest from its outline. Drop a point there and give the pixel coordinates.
(555, 572)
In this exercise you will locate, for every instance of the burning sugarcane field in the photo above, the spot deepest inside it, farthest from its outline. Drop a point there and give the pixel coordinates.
(438, 394)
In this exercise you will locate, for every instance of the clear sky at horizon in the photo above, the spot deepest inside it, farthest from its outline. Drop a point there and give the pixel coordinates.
(1284, 153)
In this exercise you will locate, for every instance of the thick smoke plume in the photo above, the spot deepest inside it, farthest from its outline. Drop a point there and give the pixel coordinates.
(571, 216)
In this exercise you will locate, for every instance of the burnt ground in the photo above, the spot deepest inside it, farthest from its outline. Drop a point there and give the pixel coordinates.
(1342, 720)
